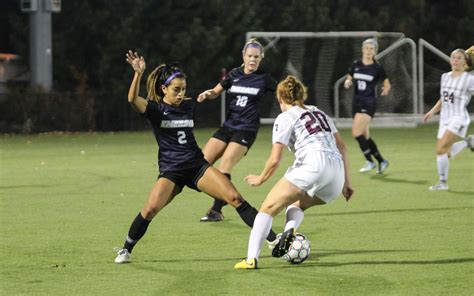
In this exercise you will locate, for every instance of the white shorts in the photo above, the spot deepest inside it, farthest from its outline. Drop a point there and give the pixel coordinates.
(458, 127)
(319, 174)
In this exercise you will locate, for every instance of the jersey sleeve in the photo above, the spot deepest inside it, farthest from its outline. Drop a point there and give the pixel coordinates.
(470, 84)
(153, 111)
(282, 129)
(332, 125)
(382, 75)
(270, 84)
(351, 69)
(226, 83)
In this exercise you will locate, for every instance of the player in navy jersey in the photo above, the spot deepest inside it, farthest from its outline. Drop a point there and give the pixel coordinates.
(180, 159)
(365, 74)
(244, 86)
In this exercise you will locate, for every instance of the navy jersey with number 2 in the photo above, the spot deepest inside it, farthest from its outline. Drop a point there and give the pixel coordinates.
(173, 130)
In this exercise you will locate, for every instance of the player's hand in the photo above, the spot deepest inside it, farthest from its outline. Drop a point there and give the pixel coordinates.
(347, 83)
(137, 62)
(202, 96)
(253, 180)
(426, 117)
(384, 91)
(347, 192)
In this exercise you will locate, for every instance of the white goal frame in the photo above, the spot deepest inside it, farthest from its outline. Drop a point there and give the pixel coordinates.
(271, 39)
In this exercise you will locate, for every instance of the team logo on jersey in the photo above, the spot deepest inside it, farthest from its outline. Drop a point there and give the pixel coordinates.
(177, 123)
(360, 76)
(244, 90)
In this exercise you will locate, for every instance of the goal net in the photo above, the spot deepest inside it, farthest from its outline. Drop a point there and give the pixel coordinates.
(321, 61)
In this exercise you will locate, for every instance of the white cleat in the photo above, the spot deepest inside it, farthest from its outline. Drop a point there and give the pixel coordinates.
(439, 186)
(382, 167)
(273, 244)
(123, 256)
(470, 142)
(368, 167)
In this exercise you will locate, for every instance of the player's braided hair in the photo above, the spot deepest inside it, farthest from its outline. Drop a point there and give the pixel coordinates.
(162, 75)
(292, 91)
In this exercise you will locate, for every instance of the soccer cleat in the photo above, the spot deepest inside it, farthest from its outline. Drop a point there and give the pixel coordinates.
(470, 142)
(368, 167)
(439, 186)
(247, 264)
(273, 244)
(123, 256)
(286, 239)
(212, 216)
(382, 167)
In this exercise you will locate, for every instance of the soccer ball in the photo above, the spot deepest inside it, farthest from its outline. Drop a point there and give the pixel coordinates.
(299, 249)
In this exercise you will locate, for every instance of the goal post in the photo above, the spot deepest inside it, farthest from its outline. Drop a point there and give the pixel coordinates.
(319, 59)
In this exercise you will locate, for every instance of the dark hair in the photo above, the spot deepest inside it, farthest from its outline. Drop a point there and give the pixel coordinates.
(162, 75)
(292, 91)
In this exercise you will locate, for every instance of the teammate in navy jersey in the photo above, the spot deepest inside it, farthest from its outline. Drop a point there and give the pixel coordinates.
(180, 159)
(245, 87)
(366, 73)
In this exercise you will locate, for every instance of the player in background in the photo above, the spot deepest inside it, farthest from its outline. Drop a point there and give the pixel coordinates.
(245, 87)
(319, 174)
(180, 160)
(365, 74)
(457, 87)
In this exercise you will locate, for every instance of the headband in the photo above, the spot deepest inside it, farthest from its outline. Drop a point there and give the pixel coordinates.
(173, 76)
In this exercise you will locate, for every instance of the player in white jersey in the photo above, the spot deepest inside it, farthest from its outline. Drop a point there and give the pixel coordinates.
(456, 90)
(319, 174)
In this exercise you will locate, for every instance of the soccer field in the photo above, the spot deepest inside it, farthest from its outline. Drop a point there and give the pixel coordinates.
(67, 199)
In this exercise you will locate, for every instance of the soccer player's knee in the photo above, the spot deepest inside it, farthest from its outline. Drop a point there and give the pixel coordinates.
(149, 212)
(234, 198)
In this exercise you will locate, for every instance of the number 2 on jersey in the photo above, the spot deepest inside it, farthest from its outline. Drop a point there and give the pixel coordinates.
(182, 137)
(313, 117)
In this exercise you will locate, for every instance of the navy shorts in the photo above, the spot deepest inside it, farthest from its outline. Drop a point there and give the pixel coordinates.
(187, 177)
(244, 138)
(363, 107)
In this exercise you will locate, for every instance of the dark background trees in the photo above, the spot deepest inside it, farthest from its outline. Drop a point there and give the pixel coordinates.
(90, 37)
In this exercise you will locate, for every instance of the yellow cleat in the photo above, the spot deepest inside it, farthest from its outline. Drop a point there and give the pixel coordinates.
(247, 264)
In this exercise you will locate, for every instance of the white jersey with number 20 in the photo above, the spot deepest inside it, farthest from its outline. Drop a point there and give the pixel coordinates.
(318, 168)
(300, 129)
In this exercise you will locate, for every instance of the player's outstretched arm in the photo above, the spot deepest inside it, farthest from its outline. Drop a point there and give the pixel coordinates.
(271, 165)
(433, 111)
(210, 93)
(347, 190)
(138, 64)
(348, 81)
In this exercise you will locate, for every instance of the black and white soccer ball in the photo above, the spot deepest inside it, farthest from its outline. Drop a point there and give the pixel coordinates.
(299, 249)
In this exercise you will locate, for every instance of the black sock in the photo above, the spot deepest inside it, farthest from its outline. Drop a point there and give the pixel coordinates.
(136, 232)
(218, 204)
(364, 146)
(248, 214)
(374, 150)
